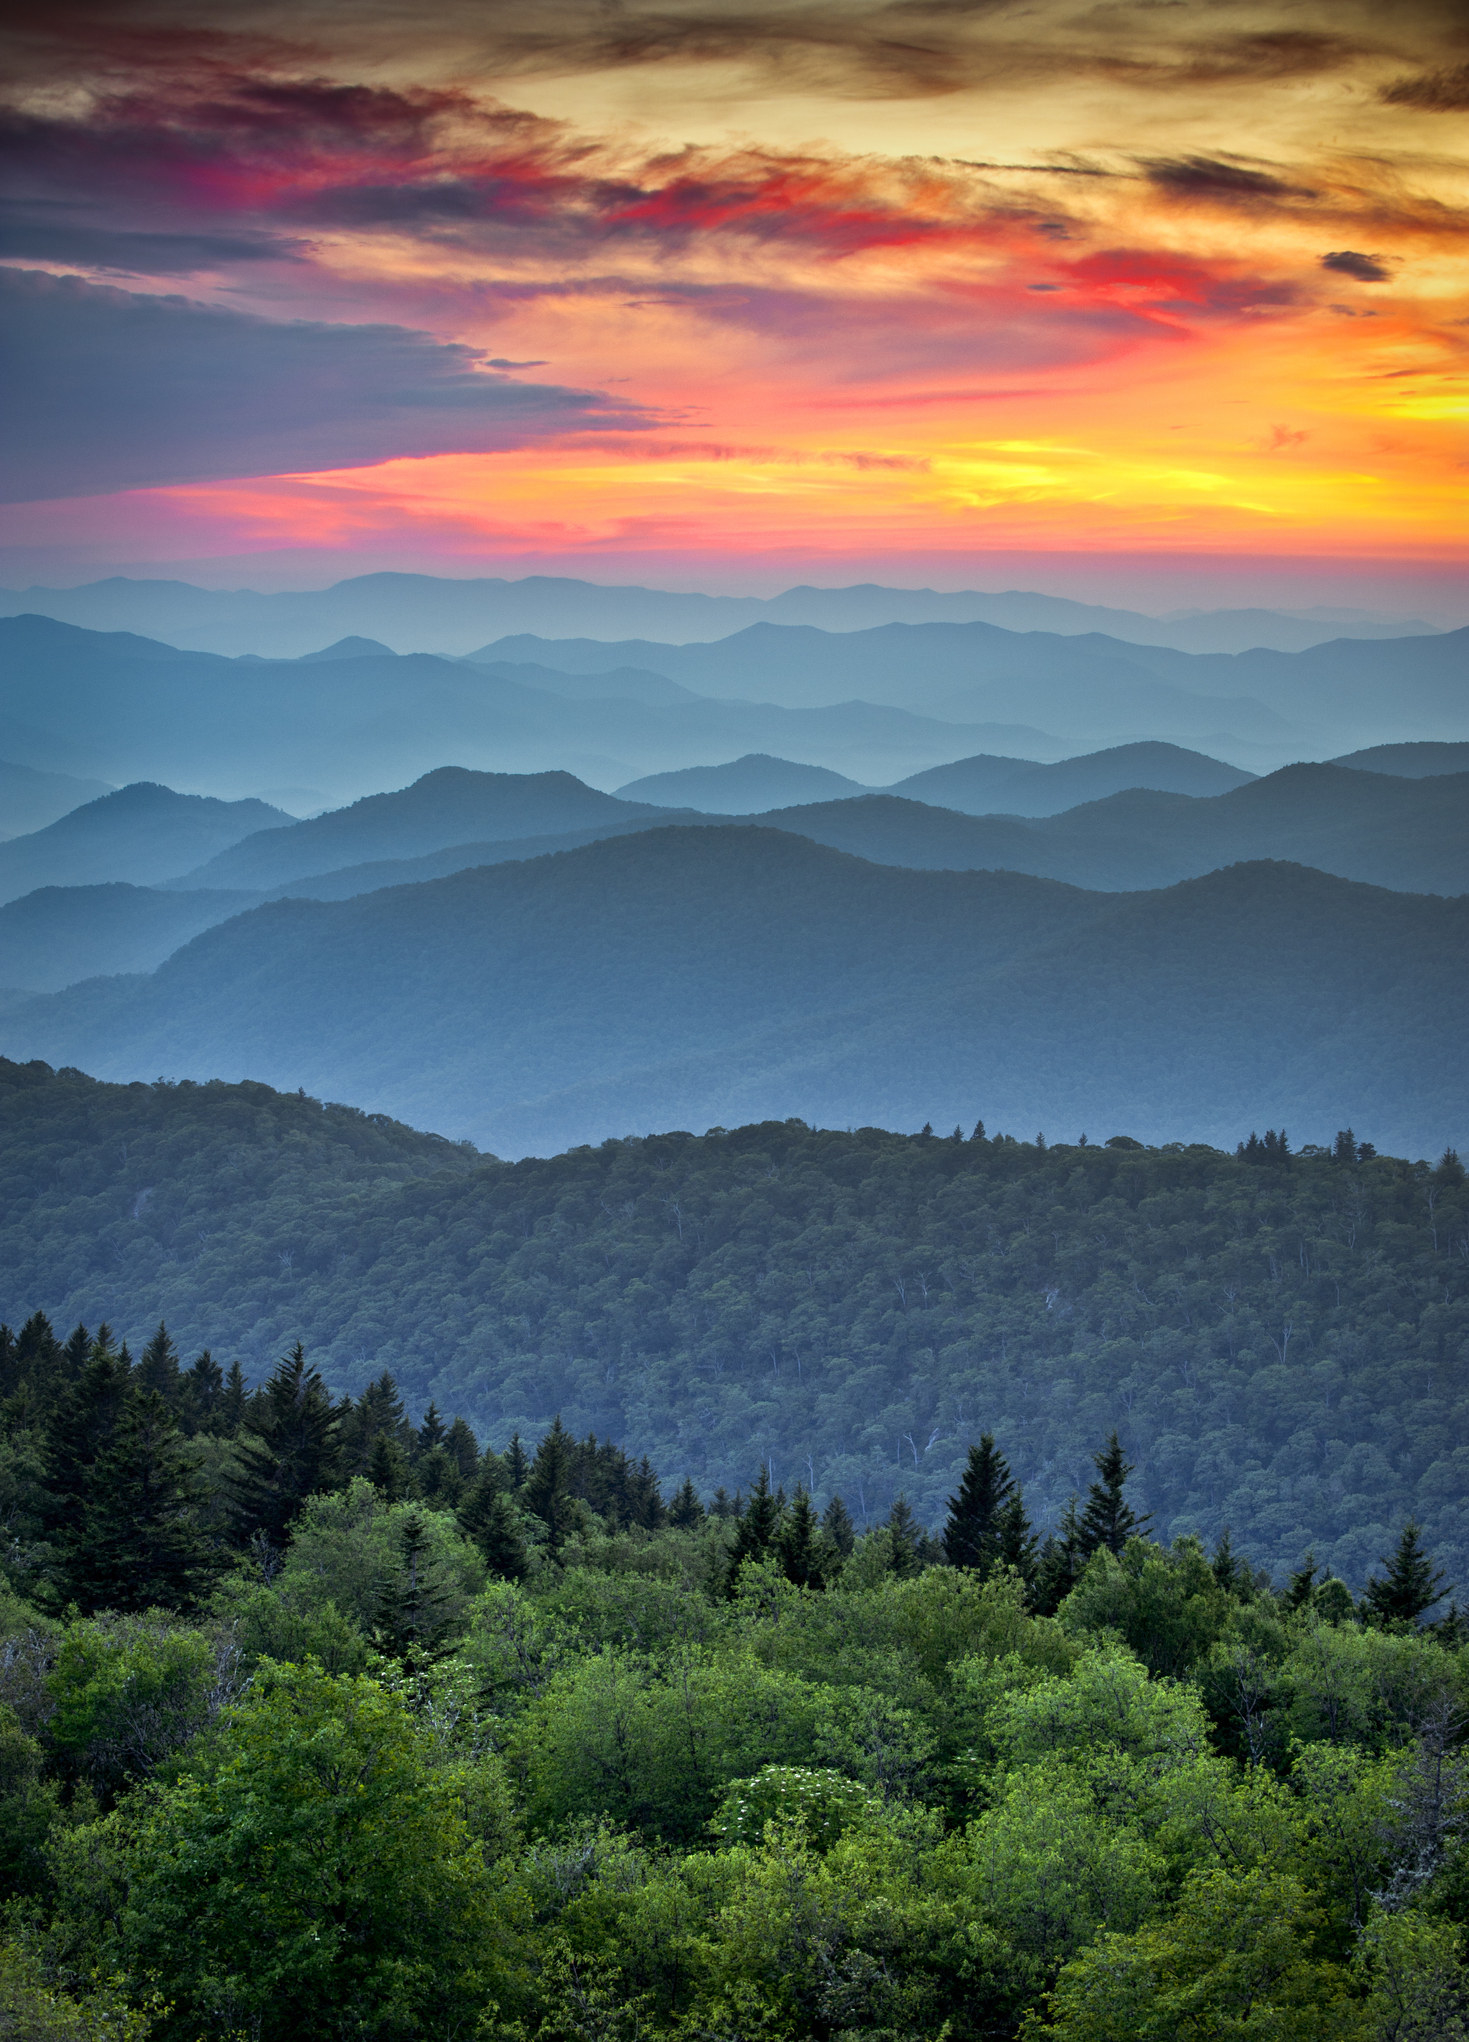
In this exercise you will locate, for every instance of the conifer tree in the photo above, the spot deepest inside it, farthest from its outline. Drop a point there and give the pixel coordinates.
(488, 1517)
(439, 1479)
(82, 1426)
(234, 1404)
(799, 1543)
(287, 1451)
(907, 1536)
(1411, 1586)
(1108, 1519)
(411, 1616)
(136, 1541)
(387, 1468)
(1015, 1543)
(836, 1523)
(158, 1367)
(686, 1510)
(201, 1394)
(757, 1529)
(1299, 1588)
(432, 1431)
(971, 1535)
(517, 1466)
(547, 1488)
(1059, 1563)
(462, 1446)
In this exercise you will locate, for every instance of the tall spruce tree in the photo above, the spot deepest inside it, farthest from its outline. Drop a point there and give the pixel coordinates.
(136, 1541)
(1400, 1598)
(1109, 1519)
(158, 1368)
(1016, 1544)
(547, 1492)
(971, 1534)
(836, 1523)
(757, 1529)
(799, 1543)
(686, 1510)
(82, 1425)
(1059, 1563)
(412, 1623)
(907, 1536)
(287, 1451)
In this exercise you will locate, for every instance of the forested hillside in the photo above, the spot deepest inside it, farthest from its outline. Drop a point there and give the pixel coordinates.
(1281, 1339)
(725, 973)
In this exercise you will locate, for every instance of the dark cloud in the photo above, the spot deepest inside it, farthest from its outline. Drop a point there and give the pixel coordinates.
(1350, 262)
(499, 362)
(1233, 184)
(1432, 91)
(108, 389)
(45, 237)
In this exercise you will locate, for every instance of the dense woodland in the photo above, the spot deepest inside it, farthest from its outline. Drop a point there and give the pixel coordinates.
(314, 1722)
(1279, 1338)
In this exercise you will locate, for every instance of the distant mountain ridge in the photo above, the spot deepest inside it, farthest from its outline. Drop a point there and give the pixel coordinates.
(428, 613)
(142, 832)
(702, 976)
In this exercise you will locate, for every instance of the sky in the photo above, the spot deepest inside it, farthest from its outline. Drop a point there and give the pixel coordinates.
(1163, 301)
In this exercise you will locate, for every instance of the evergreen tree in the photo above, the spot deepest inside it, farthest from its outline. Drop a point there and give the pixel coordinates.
(1300, 1586)
(432, 1432)
(234, 1405)
(971, 1535)
(136, 1541)
(686, 1510)
(158, 1368)
(1411, 1586)
(1231, 1572)
(378, 1413)
(547, 1487)
(1059, 1563)
(287, 1451)
(1015, 1543)
(836, 1523)
(757, 1529)
(799, 1543)
(907, 1536)
(463, 1448)
(387, 1468)
(1108, 1519)
(439, 1480)
(412, 1623)
(201, 1394)
(517, 1467)
(83, 1424)
(488, 1517)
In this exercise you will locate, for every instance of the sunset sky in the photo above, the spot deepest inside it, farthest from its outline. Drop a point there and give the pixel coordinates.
(1167, 299)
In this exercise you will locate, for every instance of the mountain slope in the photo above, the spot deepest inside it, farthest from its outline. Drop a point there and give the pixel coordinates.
(1412, 761)
(743, 787)
(998, 786)
(29, 799)
(703, 975)
(142, 833)
(59, 934)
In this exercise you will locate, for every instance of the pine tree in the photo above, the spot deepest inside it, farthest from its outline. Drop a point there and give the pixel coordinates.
(686, 1510)
(1230, 1571)
(439, 1480)
(517, 1467)
(158, 1367)
(547, 1488)
(432, 1431)
(1059, 1563)
(235, 1404)
(1108, 1519)
(287, 1451)
(757, 1529)
(412, 1622)
(136, 1541)
(488, 1517)
(1015, 1543)
(387, 1468)
(1411, 1586)
(836, 1523)
(461, 1444)
(201, 1394)
(799, 1542)
(907, 1537)
(83, 1424)
(378, 1412)
(971, 1534)
(1301, 1585)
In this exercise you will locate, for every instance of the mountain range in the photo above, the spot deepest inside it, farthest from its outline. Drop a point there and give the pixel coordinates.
(142, 833)
(427, 613)
(707, 975)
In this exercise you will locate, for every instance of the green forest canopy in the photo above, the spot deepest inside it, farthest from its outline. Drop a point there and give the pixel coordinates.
(1279, 1339)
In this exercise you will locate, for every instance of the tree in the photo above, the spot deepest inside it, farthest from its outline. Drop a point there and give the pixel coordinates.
(317, 1876)
(908, 1539)
(1108, 1519)
(387, 1467)
(757, 1530)
(1410, 1587)
(158, 1367)
(547, 1487)
(136, 1541)
(412, 1615)
(799, 1542)
(202, 1393)
(462, 1446)
(841, 1533)
(432, 1432)
(83, 1425)
(1015, 1543)
(1059, 1563)
(1301, 1585)
(971, 1535)
(686, 1510)
(287, 1451)
(516, 1464)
